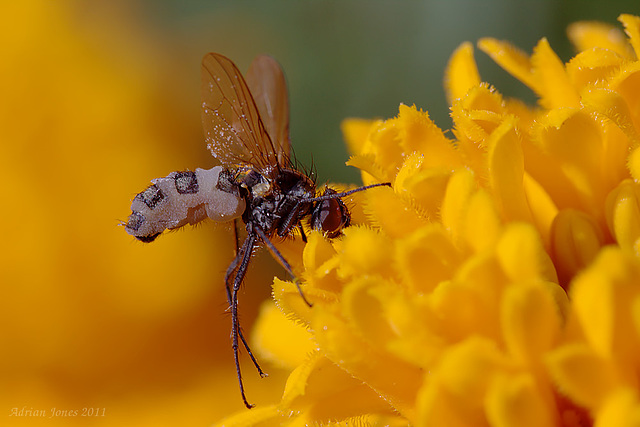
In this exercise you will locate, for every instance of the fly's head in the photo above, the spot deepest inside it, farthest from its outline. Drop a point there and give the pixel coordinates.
(330, 216)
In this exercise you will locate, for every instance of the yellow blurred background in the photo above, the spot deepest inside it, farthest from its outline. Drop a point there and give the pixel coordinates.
(92, 108)
(97, 98)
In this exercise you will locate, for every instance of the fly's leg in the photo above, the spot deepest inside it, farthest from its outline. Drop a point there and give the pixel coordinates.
(230, 272)
(276, 253)
(241, 262)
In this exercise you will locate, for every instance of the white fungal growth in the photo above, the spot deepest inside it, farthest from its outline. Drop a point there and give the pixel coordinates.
(181, 198)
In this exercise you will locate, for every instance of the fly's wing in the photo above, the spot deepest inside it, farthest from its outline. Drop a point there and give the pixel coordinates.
(233, 129)
(269, 89)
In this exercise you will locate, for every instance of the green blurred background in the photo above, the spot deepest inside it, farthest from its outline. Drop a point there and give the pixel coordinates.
(362, 58)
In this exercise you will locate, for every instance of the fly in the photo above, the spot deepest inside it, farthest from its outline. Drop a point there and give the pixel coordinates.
(246, 127)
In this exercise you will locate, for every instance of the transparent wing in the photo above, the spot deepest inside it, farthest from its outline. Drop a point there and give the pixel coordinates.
(233, 129)
(269, 89)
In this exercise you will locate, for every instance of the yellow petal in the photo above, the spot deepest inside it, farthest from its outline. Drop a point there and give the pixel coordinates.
(469, 214)
(424, 185)
(394, 380)
(485, 98)
(394, 214)
(370, 171)
(623, 213)
(634, 163)
(477, 115)
(279, 340)
(454, 205)
(464, 313)
(627, 83)
(522, 255)
(587, 35)
(425, 258)
(421, 345)
(573, 140)
(364, 303)
(365, 252)
(594, 303)
(555, 88)
(468, 368)
(317, 252)
(525, 113)
(515, 401)
(296, 385)
(260, 416)
(580, 374)
(561, 300)
(622, 408)
(632, 28)
(483, 225)
(379, 154)
(576, 240)
(289, 300)
(593, 67)
(383, 144)
(387, 319)
(530, 321)
(319, 392)
(291, 250)
(602, 298)
(635, 313)
(419, 133)
(437, 406)
(506, 169)
(461, 73)
(613, 106)
(617, 156)
(355, 133)
(512, 59)
(469, 304)
(468, 126)
(543, 209)
(320, 262)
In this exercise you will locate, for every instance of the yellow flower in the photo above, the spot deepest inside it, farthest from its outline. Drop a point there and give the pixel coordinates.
(497, 283)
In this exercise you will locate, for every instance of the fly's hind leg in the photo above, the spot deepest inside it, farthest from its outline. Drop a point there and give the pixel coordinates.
(239, 254)
(244, 256)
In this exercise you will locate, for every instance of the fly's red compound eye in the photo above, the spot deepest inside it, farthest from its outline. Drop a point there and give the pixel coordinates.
(330, 216)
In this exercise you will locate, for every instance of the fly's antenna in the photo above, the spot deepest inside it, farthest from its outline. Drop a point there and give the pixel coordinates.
(345, 193)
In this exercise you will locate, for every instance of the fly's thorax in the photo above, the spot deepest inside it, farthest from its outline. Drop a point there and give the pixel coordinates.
(291, 188)
(181, 198)
(294, 184)
(275, 199)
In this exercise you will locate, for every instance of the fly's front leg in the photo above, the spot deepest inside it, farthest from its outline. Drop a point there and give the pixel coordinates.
(276, 253)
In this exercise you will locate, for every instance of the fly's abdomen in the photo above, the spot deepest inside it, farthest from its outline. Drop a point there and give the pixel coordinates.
(181, 198)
